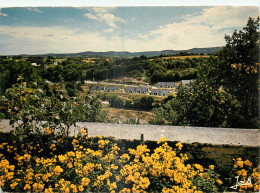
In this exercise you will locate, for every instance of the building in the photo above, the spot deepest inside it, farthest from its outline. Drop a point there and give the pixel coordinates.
(111, 88)
(164, 92)
(161, 84)
(185, 82)
(166, 84)
(97, 88)
(131, 89)
(160, 92)
(141, 90)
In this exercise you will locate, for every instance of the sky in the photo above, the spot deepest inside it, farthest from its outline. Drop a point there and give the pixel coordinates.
(42, 30)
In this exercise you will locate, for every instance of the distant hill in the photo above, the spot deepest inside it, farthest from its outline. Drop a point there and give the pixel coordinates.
(135, 54)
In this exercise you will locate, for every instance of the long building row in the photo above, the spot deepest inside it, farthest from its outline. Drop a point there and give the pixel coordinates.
(143, 90)
(138, 90)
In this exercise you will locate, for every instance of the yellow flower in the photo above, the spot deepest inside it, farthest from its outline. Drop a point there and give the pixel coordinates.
(62, 158)
(248, 163)
(118, 178)
(219, 182)
(13, 185)
(84, 132)
(53, 146)
(45, 177)
(67, 190)
(162, 139)
(2, 146)
(4, 163)
(97, 153)
(125, 157)
(58, 170)
(27, 157)
(144, 182)
(85, 181)
(74, 188)
(10, 175)
(71, 154)
(211, 167)
(69, 165)
(114, 167)
(48, 190)
(101, 143)
(240, 164)
(199, 167)
(49, 131)
(27, 187)
(38, 187)
(242, 172)
(256, 188)
(88, 168)
(125, 190)
(81, 188)
(179, 145)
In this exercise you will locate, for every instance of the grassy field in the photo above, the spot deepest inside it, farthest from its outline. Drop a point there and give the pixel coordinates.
(129, 116)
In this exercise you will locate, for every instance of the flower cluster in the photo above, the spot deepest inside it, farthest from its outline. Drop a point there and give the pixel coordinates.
(101, 166)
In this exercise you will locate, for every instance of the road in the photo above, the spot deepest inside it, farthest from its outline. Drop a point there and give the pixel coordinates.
(207, 135)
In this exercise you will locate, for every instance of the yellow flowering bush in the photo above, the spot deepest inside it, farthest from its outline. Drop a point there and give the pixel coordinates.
(98, 165)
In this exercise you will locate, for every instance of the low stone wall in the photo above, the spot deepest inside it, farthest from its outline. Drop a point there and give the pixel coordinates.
(206, 135)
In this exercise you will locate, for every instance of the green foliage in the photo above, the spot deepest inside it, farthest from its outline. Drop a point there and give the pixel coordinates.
(240, 73)
(207, 181)
(31, 107)
(143, 103)
(225, 93)
(10, 70)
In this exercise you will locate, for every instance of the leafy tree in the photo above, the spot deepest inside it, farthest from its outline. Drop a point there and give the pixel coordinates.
(240, 73)
(29, 105)
(116, 102)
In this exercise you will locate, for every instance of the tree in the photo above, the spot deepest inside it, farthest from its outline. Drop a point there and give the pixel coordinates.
(29, 105)
(240, 73)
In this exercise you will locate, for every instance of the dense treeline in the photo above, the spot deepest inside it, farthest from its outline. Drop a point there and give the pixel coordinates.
(74, 69)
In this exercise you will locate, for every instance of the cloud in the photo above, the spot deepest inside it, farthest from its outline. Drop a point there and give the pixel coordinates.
(37, 40)
(34, 9)
(102, 14)
(109, 30)
(2, 14)
(204, 30)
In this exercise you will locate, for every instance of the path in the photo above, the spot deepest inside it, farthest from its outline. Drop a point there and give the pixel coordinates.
(215, 136)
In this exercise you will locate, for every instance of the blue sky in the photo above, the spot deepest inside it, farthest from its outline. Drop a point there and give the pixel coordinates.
(38, 30)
